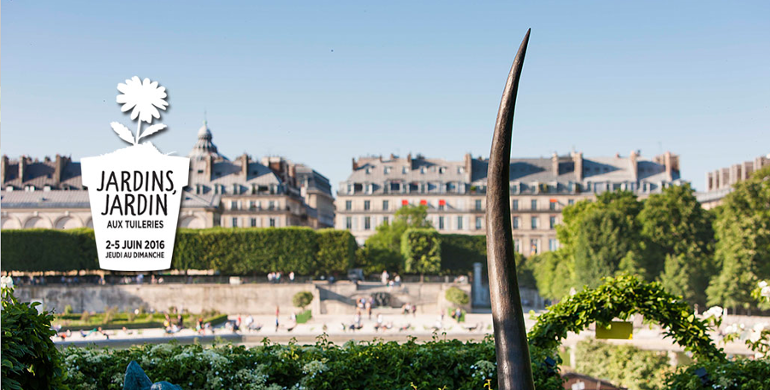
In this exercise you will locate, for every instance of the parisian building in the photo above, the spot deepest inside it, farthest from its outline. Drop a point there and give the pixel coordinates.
(271, 192)
(720, 182)
(455, 191)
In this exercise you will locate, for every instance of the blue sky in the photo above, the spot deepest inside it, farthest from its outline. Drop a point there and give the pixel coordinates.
(322, 83)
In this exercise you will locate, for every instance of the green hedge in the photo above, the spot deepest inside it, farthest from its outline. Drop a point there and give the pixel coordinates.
(336, 251)
(230, 251)
(460, 251)
(49, 250)
(421, 249)
(323, 366)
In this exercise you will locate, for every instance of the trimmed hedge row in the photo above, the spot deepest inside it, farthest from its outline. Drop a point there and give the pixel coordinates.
(230, 251)
(421, 249)
(460, 251)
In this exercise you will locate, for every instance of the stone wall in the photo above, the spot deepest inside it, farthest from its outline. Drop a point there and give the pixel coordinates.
(338, 298)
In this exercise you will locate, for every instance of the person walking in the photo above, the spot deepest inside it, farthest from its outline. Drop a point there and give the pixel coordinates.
(277, 313)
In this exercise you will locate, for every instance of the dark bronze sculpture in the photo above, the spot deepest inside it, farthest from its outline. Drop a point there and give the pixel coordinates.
(514, 370)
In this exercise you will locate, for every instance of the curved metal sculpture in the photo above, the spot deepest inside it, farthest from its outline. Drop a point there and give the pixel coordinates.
(514, 370)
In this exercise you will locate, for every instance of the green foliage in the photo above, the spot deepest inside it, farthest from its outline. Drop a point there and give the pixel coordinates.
(552, 273)
(743, 242)
(302, 299)
(30, 358)
(421, 249)
(336, 251)
(68, 309)
(457, 296)
(383, 248)
(230, 251)
(604, 239)
(620, 297)
(304, 317)
(679, 241)
(727, 375)
(623, 365)
(323, 366)
(460, 251)
(48, 250)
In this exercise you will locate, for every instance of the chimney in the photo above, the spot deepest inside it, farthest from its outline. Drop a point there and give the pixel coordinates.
(735, 174)
(58, 169)
(355, 164)
(22, 168)
(209, 170)
(244, 159)
(468, 162)
(577, 158)
(4, 169)
(667, 163)
(634, 167)
(555, 164)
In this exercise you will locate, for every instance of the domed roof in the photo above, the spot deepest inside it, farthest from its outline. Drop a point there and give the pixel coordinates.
(204, 147)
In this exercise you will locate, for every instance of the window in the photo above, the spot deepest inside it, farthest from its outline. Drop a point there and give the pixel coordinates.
(271, 205)
(534, 223)
(552, 205)
(534, 204)
(478, 223)
(367, 223)
(395, 187)
(367, 205)
(253, 204)
(253, 222)
(441, 223)
(348, 205)
(459, 223)
(349, 223)
(404, 170)
(272, 222)
(386, 220)
(387, 170)
(534, 246)
(517, 245)
(515, 223)
(235, 222)
(553, 244)
(478, 205)
(385, 205)
(233, 205)
(552, 222)
(571, 202)
(515, 204)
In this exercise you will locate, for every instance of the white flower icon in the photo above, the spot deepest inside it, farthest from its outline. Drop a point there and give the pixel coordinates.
(145, 98)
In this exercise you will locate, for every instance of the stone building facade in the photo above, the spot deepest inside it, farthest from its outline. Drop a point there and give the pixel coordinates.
(455, 191)
(720, 182)
(272, 192)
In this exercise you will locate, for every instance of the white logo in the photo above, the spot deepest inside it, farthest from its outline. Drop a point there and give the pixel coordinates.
(136, 192)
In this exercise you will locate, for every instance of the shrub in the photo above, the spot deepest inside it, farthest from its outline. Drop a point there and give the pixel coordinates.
(302, 299)
(457, 296)
(421, 249)
(623, 365)
(336, 251)
(734, 375)
(374, 365)
(68, 309)
(30, 358)
(460, 251)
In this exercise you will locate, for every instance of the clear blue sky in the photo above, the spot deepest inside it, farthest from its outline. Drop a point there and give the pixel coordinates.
(322, 83)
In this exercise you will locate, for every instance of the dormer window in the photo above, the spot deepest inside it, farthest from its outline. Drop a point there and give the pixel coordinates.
(404, 170)
(422, 170)
(368, 170)
(441, 170)
(47, 188)
(386, 170)
(29, 188)
(9, 188)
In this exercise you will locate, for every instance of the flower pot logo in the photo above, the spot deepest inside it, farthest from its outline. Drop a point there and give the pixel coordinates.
(136, 192)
